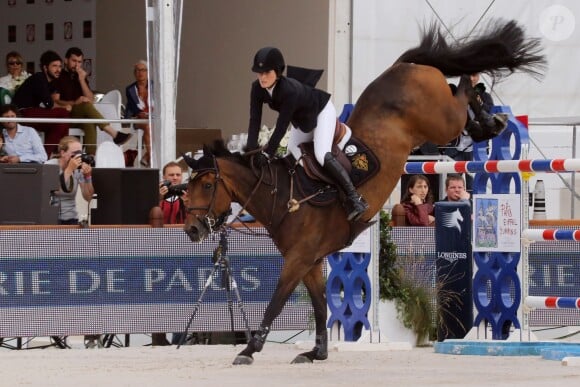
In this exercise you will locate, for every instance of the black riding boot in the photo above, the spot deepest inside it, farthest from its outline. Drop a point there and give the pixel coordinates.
(355, 204)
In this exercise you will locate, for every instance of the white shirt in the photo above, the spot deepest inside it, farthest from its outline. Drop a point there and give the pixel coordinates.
(26, 144)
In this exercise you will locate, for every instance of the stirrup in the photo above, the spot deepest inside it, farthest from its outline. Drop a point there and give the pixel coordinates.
(356, 209)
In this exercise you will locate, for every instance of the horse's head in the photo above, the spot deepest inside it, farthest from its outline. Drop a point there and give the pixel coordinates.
(209, 200)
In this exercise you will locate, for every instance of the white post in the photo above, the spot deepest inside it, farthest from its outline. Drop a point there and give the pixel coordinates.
(163, 35)
(340, 52)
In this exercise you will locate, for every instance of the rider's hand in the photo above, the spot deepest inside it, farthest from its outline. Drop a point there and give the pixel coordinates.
(261, 159)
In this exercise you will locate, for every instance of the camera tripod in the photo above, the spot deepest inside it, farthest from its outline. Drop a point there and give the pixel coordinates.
(221, 262)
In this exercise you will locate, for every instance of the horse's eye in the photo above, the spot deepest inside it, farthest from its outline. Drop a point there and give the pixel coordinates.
(208, 186)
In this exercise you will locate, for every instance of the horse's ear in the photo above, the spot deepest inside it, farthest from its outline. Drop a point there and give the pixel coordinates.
(207, 150)
(190, 161)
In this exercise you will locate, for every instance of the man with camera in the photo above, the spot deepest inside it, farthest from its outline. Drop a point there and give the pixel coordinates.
(75, 171)
(172, 194)
(173, 202)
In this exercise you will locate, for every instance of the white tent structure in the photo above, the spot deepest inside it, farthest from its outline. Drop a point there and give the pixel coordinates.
(163, 42)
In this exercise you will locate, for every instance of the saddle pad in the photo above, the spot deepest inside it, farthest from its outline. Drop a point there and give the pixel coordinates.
(363, 161)
(364, 166)
(305, 186)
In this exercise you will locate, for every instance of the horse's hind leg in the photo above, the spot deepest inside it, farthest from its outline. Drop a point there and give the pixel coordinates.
(493, 123)
(314, 282)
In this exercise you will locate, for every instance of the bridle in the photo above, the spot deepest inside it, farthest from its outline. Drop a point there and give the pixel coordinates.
(210, 220)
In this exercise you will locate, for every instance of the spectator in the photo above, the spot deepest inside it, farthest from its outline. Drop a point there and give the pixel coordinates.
(34, 99)
(2, 149)
(72, 91)
(173, 207)
(23, 145)
(418, 202)
(138, 105)
(310, 114)
(15, 77)
(73, 173)
(455, 188)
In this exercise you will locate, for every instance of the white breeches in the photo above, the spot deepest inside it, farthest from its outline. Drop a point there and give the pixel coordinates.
(322, 135)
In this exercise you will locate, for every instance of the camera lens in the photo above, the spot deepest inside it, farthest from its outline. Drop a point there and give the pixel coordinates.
(175, 190)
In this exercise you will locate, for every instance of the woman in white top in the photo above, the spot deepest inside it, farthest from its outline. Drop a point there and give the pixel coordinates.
(15, 77)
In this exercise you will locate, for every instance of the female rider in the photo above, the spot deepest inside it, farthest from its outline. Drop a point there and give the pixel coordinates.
(310, 114)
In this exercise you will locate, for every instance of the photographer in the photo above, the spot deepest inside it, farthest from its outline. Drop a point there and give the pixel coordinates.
(173, 202)
(75, 170)
(172, 194)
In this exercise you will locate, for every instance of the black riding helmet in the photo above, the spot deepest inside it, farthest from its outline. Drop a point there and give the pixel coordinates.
(269, 58)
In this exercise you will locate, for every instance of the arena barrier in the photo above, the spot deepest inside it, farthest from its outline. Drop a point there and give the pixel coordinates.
(493, 166)
(416, 252)
(552, 302)
(551, 235)
(528, 235)
(501, 282)
(64, 280)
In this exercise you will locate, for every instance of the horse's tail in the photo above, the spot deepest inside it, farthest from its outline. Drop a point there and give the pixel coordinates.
(500, 50)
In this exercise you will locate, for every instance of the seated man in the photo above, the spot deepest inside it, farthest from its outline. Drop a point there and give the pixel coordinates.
(23, 145)
(34, 99)
(72, 91)
(455, 188)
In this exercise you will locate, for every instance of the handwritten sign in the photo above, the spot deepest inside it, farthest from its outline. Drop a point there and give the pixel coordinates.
(496, 223)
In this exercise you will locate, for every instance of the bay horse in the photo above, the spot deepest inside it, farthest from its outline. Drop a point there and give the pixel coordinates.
(407, 105)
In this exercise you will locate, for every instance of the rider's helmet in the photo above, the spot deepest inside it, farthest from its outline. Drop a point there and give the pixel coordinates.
(269, 58)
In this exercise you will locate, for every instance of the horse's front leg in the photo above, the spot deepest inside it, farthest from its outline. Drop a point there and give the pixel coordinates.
(314, 282)
(289, 279)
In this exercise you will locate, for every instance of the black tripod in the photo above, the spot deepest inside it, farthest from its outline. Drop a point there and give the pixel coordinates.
(221, 262)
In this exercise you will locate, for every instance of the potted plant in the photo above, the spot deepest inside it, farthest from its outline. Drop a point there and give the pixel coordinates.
(399, 284)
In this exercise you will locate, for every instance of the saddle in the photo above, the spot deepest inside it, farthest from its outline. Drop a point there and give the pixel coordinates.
(312, 182)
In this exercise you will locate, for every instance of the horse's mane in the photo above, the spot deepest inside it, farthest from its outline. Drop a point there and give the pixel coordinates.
(219, 149)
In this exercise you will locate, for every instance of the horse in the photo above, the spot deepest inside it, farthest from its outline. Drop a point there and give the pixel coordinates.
(408, 104)
(453, 220)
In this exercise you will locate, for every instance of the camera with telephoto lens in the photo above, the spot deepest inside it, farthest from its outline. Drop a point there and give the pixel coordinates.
(85, 158)
(174, 190)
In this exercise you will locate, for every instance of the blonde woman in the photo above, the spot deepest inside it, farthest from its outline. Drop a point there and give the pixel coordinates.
(74, 173)
(15, 77)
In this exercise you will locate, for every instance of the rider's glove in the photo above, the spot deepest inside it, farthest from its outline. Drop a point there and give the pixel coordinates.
(261, 159)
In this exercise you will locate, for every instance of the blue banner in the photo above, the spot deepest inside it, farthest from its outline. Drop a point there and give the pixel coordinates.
(130, 280)
(454, 269)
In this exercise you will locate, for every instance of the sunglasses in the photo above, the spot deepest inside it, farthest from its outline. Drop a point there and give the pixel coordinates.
(14, 63)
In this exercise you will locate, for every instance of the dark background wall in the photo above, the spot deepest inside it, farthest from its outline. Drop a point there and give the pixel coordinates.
(219, 39)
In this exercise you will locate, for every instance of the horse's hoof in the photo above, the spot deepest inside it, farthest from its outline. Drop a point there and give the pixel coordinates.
(301, 359)
(501, 121)
(243, 360)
